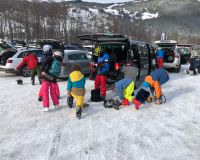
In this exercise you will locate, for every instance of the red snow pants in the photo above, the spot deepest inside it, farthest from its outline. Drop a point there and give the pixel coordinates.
(100, 82)
(57, 90)
(159, 62)
(46, 86)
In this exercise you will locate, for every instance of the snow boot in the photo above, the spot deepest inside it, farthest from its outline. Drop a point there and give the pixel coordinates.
(137, 104)
(108, 104)
(116, 104)
(56, 107)
(78, 112)
(45, 109)
(125, 102)
(40, 98)
(70, 101)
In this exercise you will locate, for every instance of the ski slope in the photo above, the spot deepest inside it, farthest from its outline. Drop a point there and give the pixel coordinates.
(170, 131)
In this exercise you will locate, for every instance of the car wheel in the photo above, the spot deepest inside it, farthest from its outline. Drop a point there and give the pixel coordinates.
(177, 70)
(25, 71)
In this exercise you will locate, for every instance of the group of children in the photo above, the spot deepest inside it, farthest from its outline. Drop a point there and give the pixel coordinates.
(51, 68)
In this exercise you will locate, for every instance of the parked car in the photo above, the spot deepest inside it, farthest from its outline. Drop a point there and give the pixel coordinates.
(5, 54)
(71, 47)
(123, 52)
(32, 44)
(16, 59)
(56, 44)
(88, 48)
(18, 43)
(185, 52)
(74, 56)
(195, 51)
(172, 59)
(5, 45)
(6, 51)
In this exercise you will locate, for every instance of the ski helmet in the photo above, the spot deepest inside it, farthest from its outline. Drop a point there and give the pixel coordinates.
(47, 49)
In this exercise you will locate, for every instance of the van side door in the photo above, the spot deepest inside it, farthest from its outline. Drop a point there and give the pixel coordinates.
(144, 59)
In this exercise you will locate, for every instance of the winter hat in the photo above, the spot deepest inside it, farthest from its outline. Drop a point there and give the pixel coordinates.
(146, 85)
(47, 49)
(75, 67)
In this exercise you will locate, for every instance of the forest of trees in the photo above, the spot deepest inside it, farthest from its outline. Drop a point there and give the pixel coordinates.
(34, 20)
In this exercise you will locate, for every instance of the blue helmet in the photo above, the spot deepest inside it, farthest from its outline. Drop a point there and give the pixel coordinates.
(47, 49)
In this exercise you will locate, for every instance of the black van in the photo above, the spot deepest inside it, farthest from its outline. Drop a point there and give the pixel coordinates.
(56, 44)
(122, 52)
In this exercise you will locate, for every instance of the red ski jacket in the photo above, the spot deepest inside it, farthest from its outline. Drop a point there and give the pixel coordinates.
(30, 60)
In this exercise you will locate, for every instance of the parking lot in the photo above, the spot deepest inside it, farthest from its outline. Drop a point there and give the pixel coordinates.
(170, 131)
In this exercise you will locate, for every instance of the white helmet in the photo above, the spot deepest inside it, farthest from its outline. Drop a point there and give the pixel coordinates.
(47, 48)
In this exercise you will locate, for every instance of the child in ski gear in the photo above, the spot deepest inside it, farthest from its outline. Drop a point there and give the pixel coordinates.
(51, 67)
(159, 57)
(153, 83)
(31, 61)
(194, 64)
(104, 66)
(47, 53)
(76, 89)
(125, 90)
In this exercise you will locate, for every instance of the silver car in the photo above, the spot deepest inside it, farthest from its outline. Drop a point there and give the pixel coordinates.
(75, 57)
(172, 58)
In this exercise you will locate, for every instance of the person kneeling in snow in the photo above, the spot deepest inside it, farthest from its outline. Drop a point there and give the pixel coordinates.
(76, 89)
(152, 82)
(125, 90)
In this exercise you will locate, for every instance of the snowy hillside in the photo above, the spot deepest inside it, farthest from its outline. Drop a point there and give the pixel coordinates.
(167, 132)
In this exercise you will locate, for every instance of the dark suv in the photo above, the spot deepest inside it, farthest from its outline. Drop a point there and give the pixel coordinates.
(122, 52)
(56, 44)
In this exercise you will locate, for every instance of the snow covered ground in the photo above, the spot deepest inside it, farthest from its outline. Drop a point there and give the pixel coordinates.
(167, 132)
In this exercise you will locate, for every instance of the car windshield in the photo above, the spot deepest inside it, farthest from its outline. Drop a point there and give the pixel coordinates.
(183, 51)
(89, 49)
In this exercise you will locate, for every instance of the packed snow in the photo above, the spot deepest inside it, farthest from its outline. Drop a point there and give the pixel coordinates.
(170, 131)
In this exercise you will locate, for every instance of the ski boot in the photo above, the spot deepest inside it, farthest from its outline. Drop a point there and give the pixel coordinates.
(40, 98)
(108, 104)
(70, 101)
(78, 112)
(117, 104)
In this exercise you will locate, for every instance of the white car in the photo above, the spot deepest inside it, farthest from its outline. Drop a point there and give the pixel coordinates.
(172, 58)
(15, 60)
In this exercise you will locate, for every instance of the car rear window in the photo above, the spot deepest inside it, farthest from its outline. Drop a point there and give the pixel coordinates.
(21, 55)
(79, 56)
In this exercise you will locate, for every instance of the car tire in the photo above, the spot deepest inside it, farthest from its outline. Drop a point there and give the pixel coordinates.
(177, 70)
(25, 72)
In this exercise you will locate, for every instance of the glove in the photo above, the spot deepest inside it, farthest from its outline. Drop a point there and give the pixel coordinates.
(100, 64)
(151, 99)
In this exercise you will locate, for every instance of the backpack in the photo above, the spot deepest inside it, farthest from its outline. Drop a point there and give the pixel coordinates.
(95, 95)
(55, 69)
